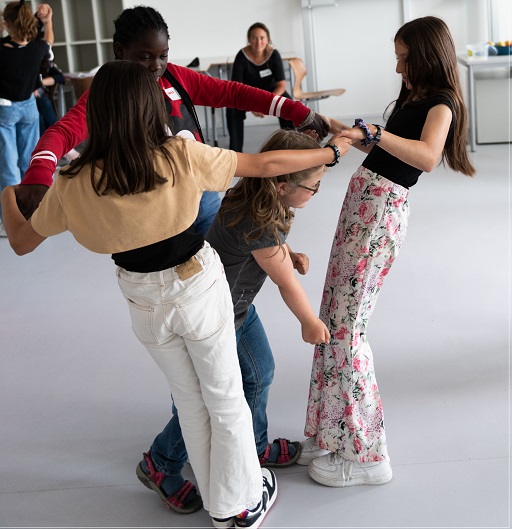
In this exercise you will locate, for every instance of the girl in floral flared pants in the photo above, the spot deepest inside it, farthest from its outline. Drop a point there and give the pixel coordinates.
(345, 410)
(346, 442)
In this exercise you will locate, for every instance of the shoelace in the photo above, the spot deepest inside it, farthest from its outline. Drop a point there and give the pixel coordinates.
(346, 465)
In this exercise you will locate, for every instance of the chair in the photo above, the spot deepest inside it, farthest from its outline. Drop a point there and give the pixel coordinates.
(81, 85)
(299, 72)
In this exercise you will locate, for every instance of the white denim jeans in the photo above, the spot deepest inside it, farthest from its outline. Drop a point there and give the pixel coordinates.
(187, 325)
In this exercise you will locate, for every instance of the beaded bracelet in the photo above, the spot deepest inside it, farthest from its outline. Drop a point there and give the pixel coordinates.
(337, 154)
(364, 127)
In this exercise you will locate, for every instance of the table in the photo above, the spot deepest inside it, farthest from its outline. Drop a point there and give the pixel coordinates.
(474, 65)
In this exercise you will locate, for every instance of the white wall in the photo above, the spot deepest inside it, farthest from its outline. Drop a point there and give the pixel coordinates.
(215, 28)
(353, 41)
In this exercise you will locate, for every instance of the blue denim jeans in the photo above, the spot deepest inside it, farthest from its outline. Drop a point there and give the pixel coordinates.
(208, 207)
(47, 114)
(168, 451)
(19, 132)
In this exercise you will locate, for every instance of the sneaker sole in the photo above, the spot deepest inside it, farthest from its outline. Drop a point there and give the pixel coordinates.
(194, 505)
(222, 525)
(338, 482)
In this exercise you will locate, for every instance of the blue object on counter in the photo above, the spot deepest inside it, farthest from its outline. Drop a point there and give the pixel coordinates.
(504, 50)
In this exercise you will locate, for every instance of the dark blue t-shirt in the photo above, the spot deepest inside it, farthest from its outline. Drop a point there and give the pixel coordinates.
(244, 274)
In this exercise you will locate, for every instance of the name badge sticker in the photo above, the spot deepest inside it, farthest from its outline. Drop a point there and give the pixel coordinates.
(265, 73)
(172, 94)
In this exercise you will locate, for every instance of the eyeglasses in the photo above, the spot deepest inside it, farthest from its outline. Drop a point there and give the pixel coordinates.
(313, 190)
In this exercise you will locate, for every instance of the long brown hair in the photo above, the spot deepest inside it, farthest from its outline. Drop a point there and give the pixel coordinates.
(127, 124)
(22, 20)
(432, 70)
(257, 199)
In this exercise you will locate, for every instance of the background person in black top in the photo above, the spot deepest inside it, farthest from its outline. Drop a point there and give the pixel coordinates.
(21, 55)
(260, 65)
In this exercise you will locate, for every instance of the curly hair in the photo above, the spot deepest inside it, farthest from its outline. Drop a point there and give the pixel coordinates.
(257, 199)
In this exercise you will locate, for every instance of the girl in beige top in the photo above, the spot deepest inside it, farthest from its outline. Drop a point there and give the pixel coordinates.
(134, 192)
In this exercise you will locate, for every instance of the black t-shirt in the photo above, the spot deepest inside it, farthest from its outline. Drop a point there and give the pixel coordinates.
(20, 67)
(263, 76)
(406, 122)
(161, 255)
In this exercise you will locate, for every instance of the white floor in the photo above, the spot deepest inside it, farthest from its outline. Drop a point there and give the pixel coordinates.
(80, 399)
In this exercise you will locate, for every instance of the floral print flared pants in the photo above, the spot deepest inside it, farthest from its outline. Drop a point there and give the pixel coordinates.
(344, 407)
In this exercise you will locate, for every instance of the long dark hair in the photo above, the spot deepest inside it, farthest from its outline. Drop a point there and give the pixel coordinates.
(137, 21)
(432, 70)
(257, 199)
(127, 123)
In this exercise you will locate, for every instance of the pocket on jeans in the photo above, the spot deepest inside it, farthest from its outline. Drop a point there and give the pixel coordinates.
(142, 322)
(204, 315)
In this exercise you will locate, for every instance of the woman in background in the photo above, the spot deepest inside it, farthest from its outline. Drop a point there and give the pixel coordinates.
(21, 55)
(258, 64)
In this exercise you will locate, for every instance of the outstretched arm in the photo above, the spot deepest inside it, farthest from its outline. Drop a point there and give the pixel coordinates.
(424, 154)
(212, 92)
(274, 163)
(59, 139)
(279, 268)
(22, 236)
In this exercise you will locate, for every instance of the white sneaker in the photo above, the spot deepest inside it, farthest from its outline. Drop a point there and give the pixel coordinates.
(310, 451)
(2, 230)
(252, 518)
(335, 471)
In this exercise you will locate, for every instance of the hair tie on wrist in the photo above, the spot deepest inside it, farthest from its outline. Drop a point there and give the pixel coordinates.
(337, 154)
(359, 122)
